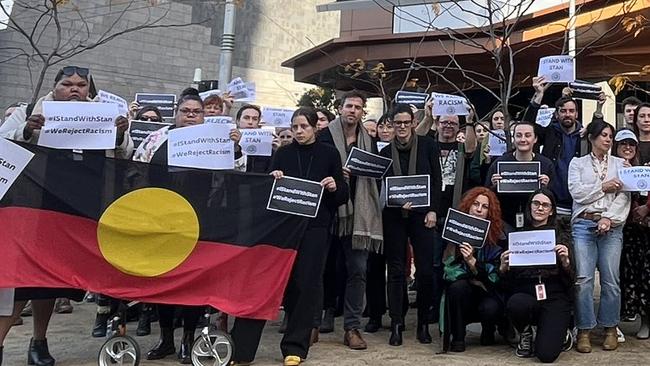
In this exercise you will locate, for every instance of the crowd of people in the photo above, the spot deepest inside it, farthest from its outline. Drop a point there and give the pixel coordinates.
(357, 256)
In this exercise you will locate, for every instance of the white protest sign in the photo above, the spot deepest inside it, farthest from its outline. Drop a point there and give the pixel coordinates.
(277, 117)
(13, 160)
(497, 143)
(256, 141)
(206, 146)
(544, 116)
(208, 93)
(79, 125)
(252, 93)
(237, 88)
(218, 120)
(557, 69)
(635, 178)
(532, 248)
(449, 105)
(382, 144)
(122, 105)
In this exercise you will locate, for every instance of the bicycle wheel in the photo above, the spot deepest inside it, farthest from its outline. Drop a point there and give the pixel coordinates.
(212, 348)
(119, 351)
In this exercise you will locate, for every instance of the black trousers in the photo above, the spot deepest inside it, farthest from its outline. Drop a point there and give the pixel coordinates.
(300, 303)
(467, 304)
(551, 316)
(397, 232)
(190, 315)
(376, 286)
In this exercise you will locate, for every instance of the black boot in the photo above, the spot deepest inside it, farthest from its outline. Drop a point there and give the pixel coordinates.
(165, 346)
(395, 334)
(423, 333)
(328, 321)
(373, 325)
(144, 322)
(101, 325)
(39, 354)
(185, 353)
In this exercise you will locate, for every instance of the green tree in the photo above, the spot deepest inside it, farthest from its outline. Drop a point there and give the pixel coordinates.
(318, 98)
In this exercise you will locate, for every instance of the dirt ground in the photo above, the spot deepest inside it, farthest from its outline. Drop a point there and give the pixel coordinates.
(71, 344)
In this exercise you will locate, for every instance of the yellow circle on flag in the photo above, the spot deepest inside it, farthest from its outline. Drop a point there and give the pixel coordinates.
(148, 232)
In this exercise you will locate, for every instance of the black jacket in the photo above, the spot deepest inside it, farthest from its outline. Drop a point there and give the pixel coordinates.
(428, 163)
(314, 162)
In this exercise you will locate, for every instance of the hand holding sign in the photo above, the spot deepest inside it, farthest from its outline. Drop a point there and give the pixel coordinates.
(557, 69)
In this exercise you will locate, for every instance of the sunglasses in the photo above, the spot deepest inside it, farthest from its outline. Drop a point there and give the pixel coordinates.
(71, 70)
(150, 119)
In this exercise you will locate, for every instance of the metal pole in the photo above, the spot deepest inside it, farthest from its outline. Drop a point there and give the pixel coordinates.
(572, 28)
(227, 45)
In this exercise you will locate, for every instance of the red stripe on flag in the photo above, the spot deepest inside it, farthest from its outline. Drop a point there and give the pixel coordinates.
(43, 248)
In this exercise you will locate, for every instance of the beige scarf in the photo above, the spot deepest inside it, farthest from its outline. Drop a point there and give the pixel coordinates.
(361, 219)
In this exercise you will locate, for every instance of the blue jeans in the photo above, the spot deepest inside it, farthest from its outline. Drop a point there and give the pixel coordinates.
(604, 252)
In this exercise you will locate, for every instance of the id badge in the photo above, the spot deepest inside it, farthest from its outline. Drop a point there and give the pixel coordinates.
(519, 220)
(540, 292)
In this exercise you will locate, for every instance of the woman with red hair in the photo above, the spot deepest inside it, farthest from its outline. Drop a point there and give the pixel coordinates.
(472, 273)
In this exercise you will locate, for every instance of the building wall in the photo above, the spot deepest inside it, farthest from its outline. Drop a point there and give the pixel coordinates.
(163, 59)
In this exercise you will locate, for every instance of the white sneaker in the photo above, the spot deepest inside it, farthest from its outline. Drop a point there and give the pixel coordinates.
(621, 336)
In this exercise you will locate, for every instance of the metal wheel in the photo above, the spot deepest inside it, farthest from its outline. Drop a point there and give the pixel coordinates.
(212, 348)
(119, 350)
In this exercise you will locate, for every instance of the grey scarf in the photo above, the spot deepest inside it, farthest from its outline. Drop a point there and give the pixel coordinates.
(412, 147)
(361, 219)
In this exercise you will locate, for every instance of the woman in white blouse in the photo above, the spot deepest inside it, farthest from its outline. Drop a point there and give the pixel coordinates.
(599, 212)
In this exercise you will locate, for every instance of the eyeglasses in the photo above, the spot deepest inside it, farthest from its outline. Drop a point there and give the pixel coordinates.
(71, 70)
(401, 123)
(544, 205)
(191, 111)
(448, 123)
(150, 118)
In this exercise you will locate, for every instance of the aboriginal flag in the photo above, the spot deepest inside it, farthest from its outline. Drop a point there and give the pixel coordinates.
(147, 232)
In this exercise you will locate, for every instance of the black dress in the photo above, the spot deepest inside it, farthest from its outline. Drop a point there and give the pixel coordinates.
(635, 267)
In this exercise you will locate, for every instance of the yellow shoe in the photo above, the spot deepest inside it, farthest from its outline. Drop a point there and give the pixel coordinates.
(292, 361)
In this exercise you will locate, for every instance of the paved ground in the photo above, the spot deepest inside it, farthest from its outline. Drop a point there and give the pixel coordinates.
(71, 344)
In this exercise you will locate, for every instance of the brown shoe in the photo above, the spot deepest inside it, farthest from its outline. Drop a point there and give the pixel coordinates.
(353, 339)
(611, 339)
(584, 343)
(314, 337)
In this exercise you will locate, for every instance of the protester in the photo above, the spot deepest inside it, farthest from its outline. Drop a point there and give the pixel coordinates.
(641, 129)
(550, 315)
(599, 212)
(250, 116)
(9, 111)
(472, 294)
(371, 126)
(512, 204)
(324, 118)
(629, 105)
(359, 227)
(309, 159)
(218, 106)
(453, 156)
(71, 83)
(286, 136)
(497, 120)
(148, 113)
(411, 155)
(385, 129)
(635, 258)
(480, 160)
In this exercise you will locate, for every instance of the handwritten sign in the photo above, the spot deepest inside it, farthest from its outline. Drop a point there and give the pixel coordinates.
(544, 116)
(635, 179)
(409, 188)
(449, 105)
(497, 143)
(557, 69)
(277, 117)
(122, 105)
(238, 89)
(295, 196)
(13, 160)
(464, 228)
(219, 120)
(256, 141)
(164, 102)
(365, 164)
(532, 248)
(206, 146)
(79, 125)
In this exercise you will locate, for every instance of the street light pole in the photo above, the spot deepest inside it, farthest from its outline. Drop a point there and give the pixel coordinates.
(227, 45)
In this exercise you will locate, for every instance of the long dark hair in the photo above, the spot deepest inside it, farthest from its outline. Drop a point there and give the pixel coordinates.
(636, 117)
(595, 128)
(528, 217)
(309, 113)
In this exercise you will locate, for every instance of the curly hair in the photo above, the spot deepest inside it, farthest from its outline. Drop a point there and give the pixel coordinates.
(494, 211)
